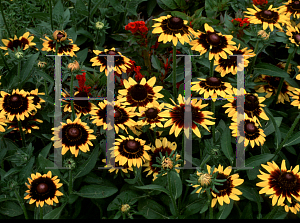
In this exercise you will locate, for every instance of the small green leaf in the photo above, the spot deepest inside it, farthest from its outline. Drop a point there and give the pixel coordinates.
(155, 62)
(150, 6)
(193, 204)
(45, 76)
(132, 6)
(247, 212)
(26, 71)
(223, 214)
(153, 187)
(58, 8)
(54, 214)
(97, 191)
(170, 3)
(82, 54)
(269, 129)
(167, 96)
(126, 196)
(45, 163)
(10, 208)
(150, 209)
(81, 8)
(46, 150)
(40, 15)
(26, 171)
(116, 4)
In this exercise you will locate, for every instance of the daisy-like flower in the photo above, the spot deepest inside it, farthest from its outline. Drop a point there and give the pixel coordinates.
(294, 34)
(74, 135)
(140, 94)
(212, 86)
(173, 29)
(163, 146)
(226, 66)
(292, 7)
(59, 35)
(130, 150)
(123, 116)
(293, 207)
(67, 48)
(125, 168)
(2, 123)
(36, 99)
(150, 115)
(122, 63)
(217, 43)
(253, 133)
(228, 190)
(43, 188)
(268, 18)
(18, 104)
(24, 42)
(272, 86)
(232, 106)
(28, 124)
(175, 113)
(281, 183)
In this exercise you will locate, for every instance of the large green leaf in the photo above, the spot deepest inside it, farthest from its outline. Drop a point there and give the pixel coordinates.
(116, 4)
(170, 3)
(151, 209)
(176, 184)
(132, 6)
(226, 144)
(153, 187)
(97, 191)
(295, 139)
(247, 212)
(269, 129)
(155, 62)
(45, 163)
(26, 71)
(45, 76)
(277, 131)
(54, 214)
(81, 8)
(26, 171)
(10, 208)
(58, 9)
(89, 164)
(258, 160)
(150, 6)
(193, 204)
(223, 214)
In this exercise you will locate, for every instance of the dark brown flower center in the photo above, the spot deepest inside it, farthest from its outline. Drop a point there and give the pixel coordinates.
(251, 98)
(42, 188)
(289, 176)
(214, 39)
(14, 98)
(250, 128)
(267, 12)
(297, 37)
(213, 81)
(151, 113)
(175, 23)
(73, 132)
(111, 52)
(287, 180)
(138, 92)
(117, 114)
(132, 145)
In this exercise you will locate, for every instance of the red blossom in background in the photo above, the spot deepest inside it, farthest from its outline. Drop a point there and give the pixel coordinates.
(81, 82)
(140, 30)
(259, 2)
(241, 21)
(155, 46)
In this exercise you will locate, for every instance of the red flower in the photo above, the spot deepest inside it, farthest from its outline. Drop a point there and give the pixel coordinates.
(259, 2)
(143, 29)
(131, 68)
(81, 82)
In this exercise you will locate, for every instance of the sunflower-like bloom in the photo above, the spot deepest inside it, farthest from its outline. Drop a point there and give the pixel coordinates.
(212, 86)
(232, 106)
(43, 188)
(294, 34)
(74, 135)
(28, 124)
(294, 207)
(281, 183)
(123, 116)
(217, 43)
(268, 18)
(227, 191)
(175, 113)
(122, 63)
(18, 104)
(272, 87)
(80, 106)
(36, 99)
(253, 133)
(130, 150)
(125, 168)
(296, 98)
(226, 66)
(173, 29)
(59, 35)
(140, 95)
(163, 146)
(150, 115)
(291, 7)
(67, 48)
(24, 42)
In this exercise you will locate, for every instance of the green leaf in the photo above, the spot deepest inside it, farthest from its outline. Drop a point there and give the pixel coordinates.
(193, 204)
(247, 212)
(26, 171)
(269, 129)
(272, 70)
(58, 9)
(150, 209)
(10, 209)
(277, 131)
(126, 196)
(97, 191)
(82, 54)
(89, 164)
(223, 214)
(41, 15)
(181, 15)
(26, 71)
(257, 160)
(132, 6)
(54, 214)
(46, 150)
(150, 6)
(45, 76)
(85, 33)
(170, 3)
(176, 184)
(155, 62)
(226, 144)
(96, 6)
(248, 192)
(295, 139)
(153, 187)
(12, 171)
(258, 200)
(43, 163)
(81, 8)
(116, 4)
(179, 75)
(167, 96)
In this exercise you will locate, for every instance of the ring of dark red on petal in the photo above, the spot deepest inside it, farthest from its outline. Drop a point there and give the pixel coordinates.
(119, 60)
(42, 188)
(15, 104)
(124, 117)
(82, 106)
(140, 95)
(17, 43)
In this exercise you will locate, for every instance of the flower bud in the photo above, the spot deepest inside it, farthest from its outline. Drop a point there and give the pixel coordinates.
(41, 64)
(125, 207)
(263, 34)
(99, 25)
(73, 66)
(60, 35)
(19, 55)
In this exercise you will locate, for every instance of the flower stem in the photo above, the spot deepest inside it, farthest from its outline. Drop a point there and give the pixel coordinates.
(21, 204)
(1, 8)
(19, 73)
(171, 195)
(211, 210)
(291, 55)
(21, 133)
(205, 161)
(41, 212)
(213, 108)
(70, 182)
(254, 58)
(72, 96)
(50, 11)
(4, 61)
(89, 14)
(211, 70)
(174, 72)
(287, 136)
